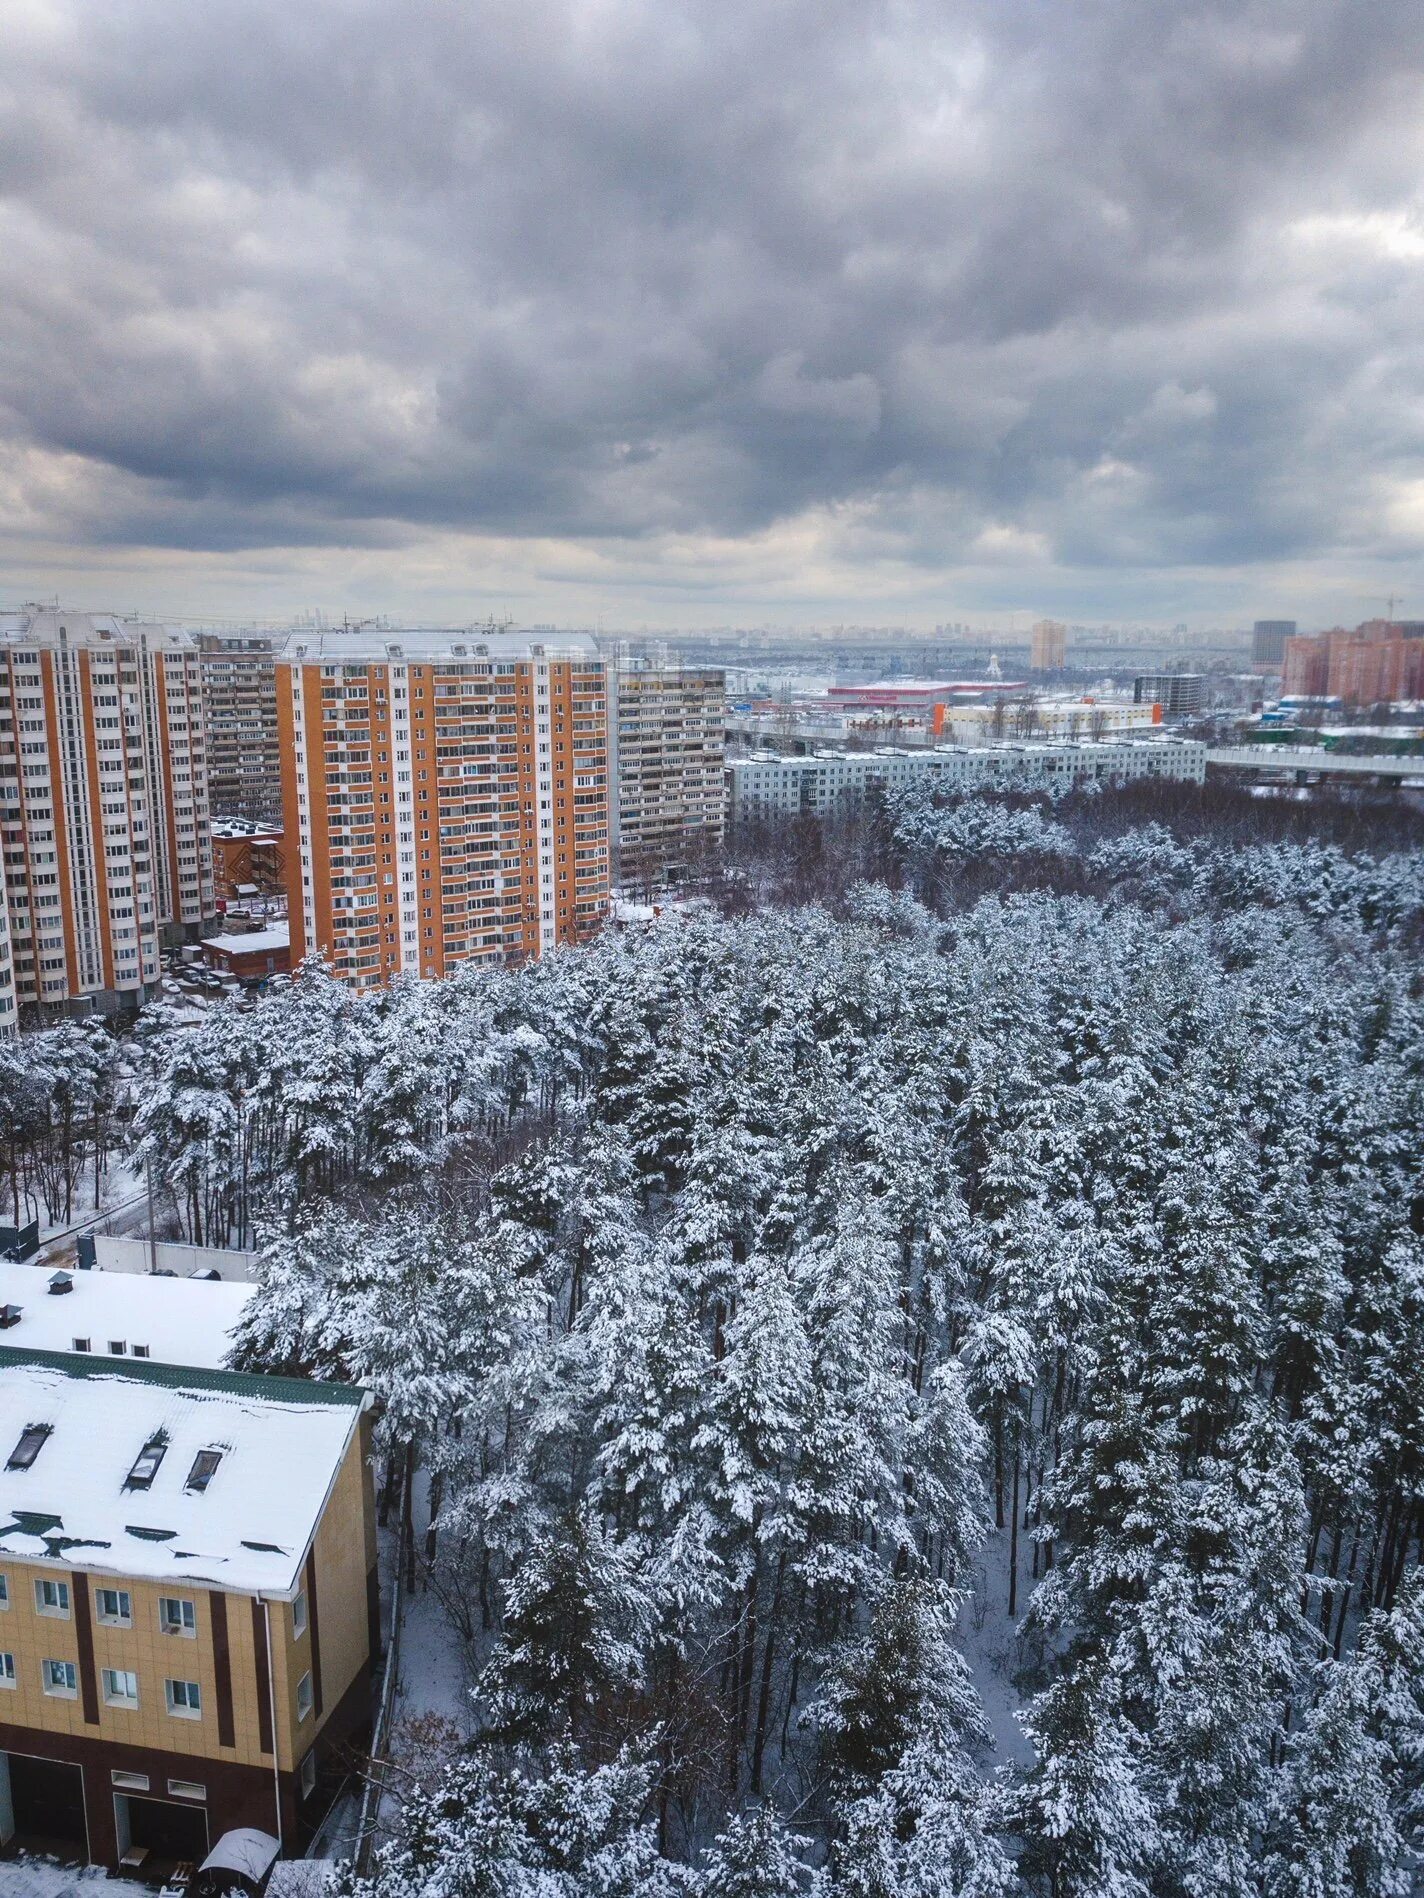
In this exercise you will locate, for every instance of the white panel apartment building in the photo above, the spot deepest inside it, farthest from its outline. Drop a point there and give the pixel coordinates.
(765, 785)
(103, 803)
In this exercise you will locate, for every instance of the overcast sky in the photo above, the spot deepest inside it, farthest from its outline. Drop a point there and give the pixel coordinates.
(691, 311)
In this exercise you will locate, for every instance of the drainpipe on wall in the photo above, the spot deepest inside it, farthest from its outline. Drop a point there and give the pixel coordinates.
(272, 1703)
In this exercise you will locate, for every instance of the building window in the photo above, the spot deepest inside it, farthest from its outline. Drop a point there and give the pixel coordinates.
(60, 1679)
(176, 1617)
(130, 1782)
(32, 1440)
(7, 1670)
(4, 1591)
(186, 1789)
(309, 1774)
(205, 1466)
(82, 1344)
(185, 1699)
(299, 1614)
(52, 1598)
(120, 1687)
(304, 1696)
(115, 1607)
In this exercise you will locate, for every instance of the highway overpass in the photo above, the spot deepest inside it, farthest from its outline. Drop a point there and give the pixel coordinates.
(1308, 764)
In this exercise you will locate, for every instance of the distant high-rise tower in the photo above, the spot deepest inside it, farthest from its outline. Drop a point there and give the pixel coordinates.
(1268, 643)
(1048, 646)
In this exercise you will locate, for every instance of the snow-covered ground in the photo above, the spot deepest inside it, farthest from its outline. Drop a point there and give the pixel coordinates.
(431, 1710)
(26, 1877)
(988, 1638)
(120, 1188)
(431, 1678)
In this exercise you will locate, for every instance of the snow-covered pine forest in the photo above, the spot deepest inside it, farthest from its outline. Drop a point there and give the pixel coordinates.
(767, 1300)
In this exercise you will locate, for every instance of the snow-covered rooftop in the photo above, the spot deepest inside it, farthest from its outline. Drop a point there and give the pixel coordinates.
(245, 830)
(170, 1320)
(83, 1501)
(255, 942)
(424, 645)
(47, 625)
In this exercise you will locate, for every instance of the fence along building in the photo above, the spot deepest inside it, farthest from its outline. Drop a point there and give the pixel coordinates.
(446, 798)
(188, 1604)
(103, 803)
(763, 785)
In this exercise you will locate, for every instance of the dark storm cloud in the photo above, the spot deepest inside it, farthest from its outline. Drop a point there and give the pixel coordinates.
(1139, 282)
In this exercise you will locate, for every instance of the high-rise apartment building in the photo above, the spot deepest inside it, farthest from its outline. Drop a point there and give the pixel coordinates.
(1268, 643)
(671, 731)
(1048, 646)
(1305, 666)
(1180, 694)
(103, 803)
(1377, 663)
(446, 798)
(240, 705)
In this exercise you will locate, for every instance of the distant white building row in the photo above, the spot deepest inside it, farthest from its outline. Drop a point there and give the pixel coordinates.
(765, 785)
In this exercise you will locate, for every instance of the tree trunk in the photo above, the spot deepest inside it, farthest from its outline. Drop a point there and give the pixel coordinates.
(1014, 1535)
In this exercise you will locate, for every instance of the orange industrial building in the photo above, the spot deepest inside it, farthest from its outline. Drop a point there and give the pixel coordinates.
(445, 797)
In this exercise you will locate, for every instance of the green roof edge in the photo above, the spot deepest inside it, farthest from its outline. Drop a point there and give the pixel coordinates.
(279, 1390)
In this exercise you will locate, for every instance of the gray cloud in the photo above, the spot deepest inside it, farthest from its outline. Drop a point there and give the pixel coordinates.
(1122, 288)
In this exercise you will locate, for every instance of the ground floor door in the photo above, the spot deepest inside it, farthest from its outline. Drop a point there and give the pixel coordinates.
(168, 1828)
(46, 1801)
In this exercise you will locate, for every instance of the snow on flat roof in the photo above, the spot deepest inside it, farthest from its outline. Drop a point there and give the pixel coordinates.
(281, 1443)
(425, 645)
(256, 942)
(182, 1321)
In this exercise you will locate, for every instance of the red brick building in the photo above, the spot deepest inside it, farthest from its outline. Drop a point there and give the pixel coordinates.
(251, 956)
(245, 860)
(1377, 663)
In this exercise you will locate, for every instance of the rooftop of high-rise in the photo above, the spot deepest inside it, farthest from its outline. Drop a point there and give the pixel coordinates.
(431, 645)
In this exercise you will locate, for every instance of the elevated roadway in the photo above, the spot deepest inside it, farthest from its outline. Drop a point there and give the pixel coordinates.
(1308, 764)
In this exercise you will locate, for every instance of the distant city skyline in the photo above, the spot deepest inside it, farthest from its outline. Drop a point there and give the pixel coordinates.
(795, 313)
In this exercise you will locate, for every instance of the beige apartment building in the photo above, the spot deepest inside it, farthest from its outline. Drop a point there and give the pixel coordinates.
(671, 742)
(239, 678)
(103, 803)
(1048, 646)
(446, 798)
(188, 1604)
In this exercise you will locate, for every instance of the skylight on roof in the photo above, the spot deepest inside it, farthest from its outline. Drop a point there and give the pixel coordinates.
(146, 1463)
(32, 1440)
(205, 1468)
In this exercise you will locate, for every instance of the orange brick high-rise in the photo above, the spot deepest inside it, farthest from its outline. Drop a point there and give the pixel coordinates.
(445, 798)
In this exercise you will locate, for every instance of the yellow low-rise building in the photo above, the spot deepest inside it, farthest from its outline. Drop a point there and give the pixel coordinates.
(188, 1602)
